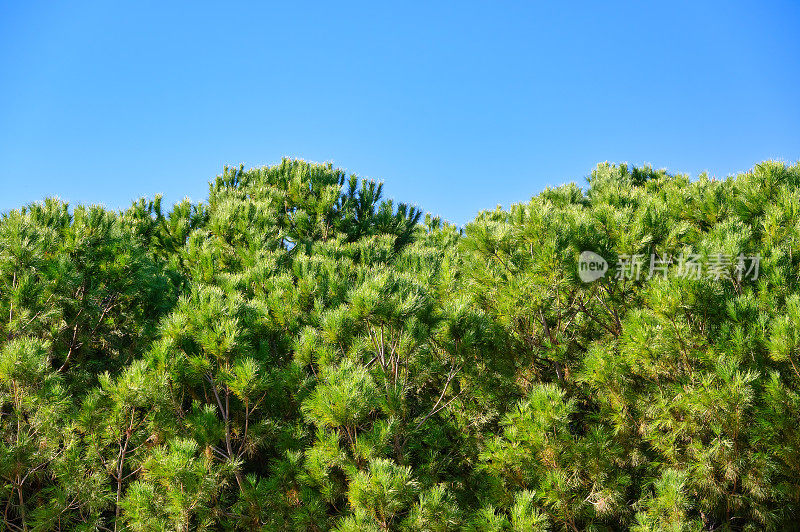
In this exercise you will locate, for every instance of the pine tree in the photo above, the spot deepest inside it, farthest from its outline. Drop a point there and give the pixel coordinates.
(299, 353)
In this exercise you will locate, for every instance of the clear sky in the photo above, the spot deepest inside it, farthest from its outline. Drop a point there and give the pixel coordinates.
(456, 106)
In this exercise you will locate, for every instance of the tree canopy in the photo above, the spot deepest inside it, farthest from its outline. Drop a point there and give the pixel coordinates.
(299, 353)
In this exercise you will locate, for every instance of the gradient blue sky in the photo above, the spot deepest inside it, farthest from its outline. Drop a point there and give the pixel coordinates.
(456, 106)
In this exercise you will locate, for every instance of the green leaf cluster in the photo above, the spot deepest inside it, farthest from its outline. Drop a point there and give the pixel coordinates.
(298, 353)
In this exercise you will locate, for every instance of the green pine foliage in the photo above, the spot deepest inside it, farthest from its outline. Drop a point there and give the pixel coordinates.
(298, 353)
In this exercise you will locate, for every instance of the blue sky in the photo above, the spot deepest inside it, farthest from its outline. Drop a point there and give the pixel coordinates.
(456, 106)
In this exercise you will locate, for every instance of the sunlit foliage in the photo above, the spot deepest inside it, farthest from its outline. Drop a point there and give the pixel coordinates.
(297, 353)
